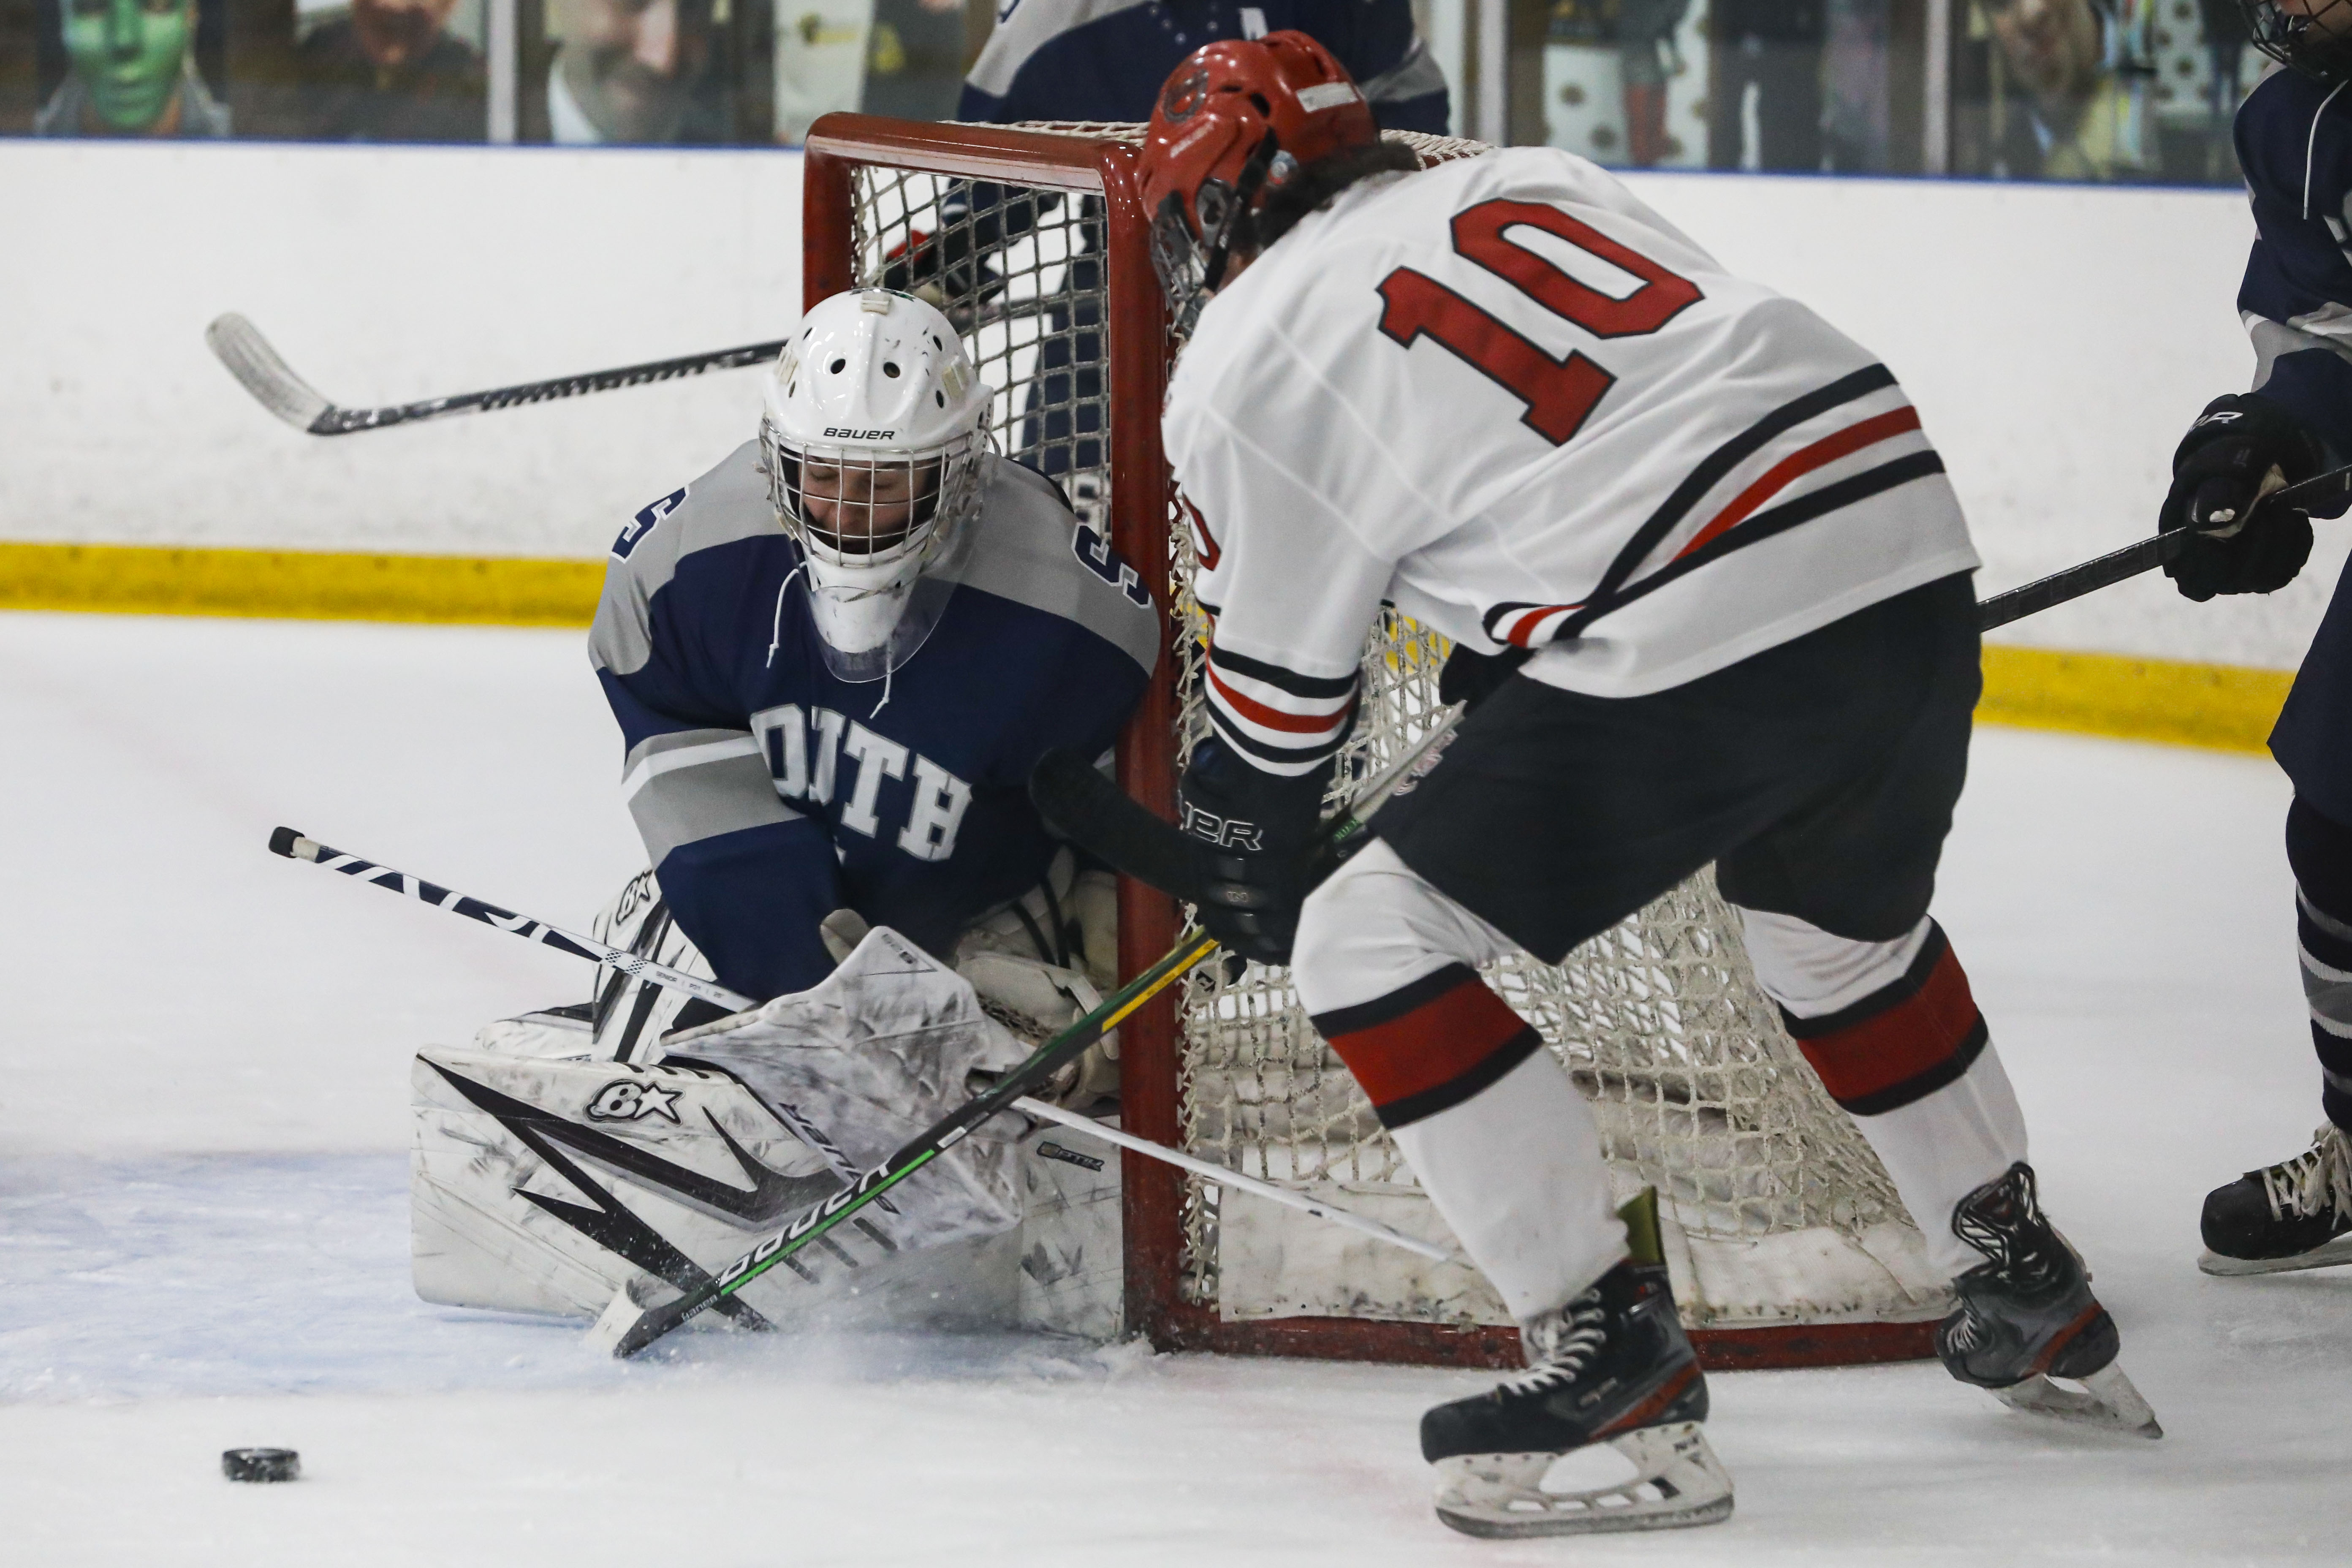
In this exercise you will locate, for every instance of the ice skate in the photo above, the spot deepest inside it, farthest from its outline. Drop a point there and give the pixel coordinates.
(2027, 1317)
(2296, 1214)
(1612, 1366)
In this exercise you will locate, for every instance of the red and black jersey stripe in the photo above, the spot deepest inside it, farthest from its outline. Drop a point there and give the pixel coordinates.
(1277, 716)
(1901, 1043)
(1430, 1044)
(1744, 520)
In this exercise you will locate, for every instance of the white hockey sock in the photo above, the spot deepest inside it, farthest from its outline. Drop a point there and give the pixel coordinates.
(1497, 1134)
(1898, 1042)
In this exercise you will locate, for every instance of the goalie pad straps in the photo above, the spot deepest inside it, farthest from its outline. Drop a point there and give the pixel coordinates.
(1894, 1034)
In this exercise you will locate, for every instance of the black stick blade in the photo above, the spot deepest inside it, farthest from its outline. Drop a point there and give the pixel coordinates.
(1098, 815)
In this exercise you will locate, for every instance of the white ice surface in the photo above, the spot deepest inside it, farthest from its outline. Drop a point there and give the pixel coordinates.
(203, 1238)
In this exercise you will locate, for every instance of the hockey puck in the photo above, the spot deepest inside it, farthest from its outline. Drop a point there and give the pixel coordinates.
(261, 1464)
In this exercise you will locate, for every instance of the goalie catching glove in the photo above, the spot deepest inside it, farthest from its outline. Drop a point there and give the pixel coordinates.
(1251, 833)
(2242, 447)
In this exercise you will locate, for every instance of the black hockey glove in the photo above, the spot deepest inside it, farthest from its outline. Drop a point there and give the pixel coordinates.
(1471, 678)
(2218, 469)
(1250, 833)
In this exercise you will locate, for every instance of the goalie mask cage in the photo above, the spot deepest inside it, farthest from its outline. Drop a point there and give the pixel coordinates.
(1787, 1242)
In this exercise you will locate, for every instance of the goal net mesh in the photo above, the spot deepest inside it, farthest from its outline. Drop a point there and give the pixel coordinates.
(1777, 1211)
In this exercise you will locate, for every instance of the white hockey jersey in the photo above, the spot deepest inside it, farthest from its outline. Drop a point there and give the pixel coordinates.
(1509, 397)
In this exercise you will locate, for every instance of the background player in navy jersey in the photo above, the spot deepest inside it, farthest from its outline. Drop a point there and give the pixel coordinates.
(834, 659)
(1105, 60)
(2295, 145)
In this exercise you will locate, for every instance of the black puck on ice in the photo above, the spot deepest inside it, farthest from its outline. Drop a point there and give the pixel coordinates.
(261, 1464)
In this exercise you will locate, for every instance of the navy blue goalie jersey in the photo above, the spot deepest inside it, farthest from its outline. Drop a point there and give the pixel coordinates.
(2295, 143)
(1107, 59)
(771, 792)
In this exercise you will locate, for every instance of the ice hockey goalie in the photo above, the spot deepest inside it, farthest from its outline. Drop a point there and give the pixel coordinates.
(546, 1176)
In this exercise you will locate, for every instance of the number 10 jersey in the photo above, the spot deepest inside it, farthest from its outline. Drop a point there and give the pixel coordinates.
(1509, 398)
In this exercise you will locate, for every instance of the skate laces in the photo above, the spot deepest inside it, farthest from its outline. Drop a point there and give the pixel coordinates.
(1562, 1341)
(2313, 1181)
(2004, 1220)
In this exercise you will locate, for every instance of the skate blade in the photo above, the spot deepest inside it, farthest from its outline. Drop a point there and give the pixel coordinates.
(2326, 1254)
(2105, 1400)
(1677, 1483)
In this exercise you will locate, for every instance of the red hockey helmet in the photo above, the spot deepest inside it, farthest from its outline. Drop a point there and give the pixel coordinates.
(1238, 120)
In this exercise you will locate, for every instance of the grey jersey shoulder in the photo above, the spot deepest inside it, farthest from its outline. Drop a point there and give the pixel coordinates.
(729, 503)
(1029, 549)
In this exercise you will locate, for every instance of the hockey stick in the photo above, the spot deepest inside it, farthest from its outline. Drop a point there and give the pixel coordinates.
(2104, 571)
(263, 371)
(286, 841)
(1225, 1175)
(1095, 814)
(240, 346)
(628, 1328)
(295, 846)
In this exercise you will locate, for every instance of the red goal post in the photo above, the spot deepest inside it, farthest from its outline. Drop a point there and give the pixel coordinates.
(1081, 303)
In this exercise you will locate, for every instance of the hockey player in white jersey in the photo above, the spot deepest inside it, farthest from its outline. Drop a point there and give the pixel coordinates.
(1709, 589)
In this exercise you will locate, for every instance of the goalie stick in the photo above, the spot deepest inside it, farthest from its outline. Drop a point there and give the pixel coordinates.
(628, 1328)
(286, 841)
(295, 846)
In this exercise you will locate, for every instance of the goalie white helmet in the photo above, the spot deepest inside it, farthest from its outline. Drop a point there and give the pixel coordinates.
(875, 432)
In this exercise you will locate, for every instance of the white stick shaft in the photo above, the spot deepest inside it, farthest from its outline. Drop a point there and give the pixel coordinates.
(1225, 1176)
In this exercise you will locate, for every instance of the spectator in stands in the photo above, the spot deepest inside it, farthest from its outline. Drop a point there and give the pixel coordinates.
(1774, 47)
(1646, 55)
(1081, 60)
(391, 70)
(132, 73)
(2085, 68)
(633, 71)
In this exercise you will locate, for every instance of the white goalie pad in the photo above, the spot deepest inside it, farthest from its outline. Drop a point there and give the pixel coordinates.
(545, 1184)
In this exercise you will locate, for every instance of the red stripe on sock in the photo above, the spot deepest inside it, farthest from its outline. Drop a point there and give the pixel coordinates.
(1914, 1037)
(1437, 1042)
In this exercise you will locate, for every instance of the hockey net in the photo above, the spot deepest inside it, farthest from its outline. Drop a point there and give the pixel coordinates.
(1785, 1236)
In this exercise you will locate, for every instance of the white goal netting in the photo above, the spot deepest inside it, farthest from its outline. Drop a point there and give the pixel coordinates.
(1777, 1212)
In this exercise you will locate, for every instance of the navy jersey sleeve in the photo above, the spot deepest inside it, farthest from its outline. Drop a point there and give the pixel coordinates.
(2295, 143)
(747, 878)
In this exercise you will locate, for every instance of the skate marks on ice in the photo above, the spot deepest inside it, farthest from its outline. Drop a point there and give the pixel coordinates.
(203, 1276)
